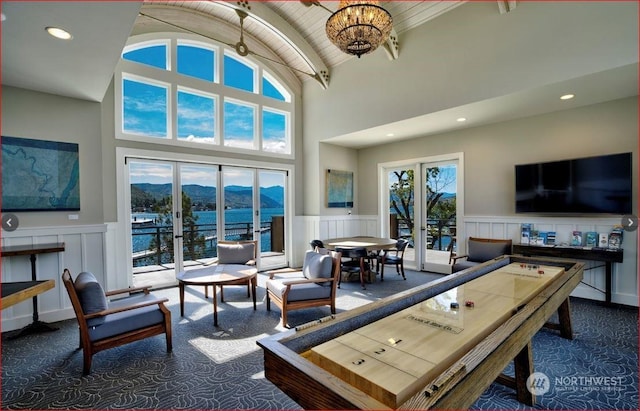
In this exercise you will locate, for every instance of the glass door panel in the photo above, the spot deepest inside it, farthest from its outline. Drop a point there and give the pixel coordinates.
(152, 224)
(401, 208)
(198, 210)
(238, 203)
(272, 218)
(440, 211)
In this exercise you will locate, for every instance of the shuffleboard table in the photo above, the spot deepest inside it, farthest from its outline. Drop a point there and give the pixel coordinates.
(435, 346)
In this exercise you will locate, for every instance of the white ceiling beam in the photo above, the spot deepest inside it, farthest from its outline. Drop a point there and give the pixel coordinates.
(392, 45)
(505, 6)
(289, 35)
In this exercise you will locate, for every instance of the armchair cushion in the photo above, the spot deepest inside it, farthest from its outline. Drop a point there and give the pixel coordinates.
(125, 321)
(91, 295)
(298, 292)
(317, 265)
(481, 251)
(235, 253)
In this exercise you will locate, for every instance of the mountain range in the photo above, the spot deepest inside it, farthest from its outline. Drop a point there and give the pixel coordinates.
(235, 196)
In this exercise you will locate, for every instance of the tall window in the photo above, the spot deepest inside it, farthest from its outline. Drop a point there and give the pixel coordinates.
(182, 91)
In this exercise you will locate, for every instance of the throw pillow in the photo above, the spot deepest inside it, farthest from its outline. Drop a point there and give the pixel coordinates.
(235, 253)
(317, 266)
(90, 293)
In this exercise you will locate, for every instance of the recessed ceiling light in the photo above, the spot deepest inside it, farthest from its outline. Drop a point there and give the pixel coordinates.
(59, 33)
(461, 119)
(390, 135)
(567, 97)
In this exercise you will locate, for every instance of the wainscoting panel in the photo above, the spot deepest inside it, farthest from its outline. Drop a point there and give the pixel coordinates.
(625, 275)
(84, 251)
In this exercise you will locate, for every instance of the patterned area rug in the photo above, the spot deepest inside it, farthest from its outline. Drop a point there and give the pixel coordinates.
(221, 367)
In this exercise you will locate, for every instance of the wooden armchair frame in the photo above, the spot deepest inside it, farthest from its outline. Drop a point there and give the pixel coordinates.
(286, 306)
(89, 347)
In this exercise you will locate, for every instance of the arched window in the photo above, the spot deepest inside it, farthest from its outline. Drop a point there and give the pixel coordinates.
(178, 90)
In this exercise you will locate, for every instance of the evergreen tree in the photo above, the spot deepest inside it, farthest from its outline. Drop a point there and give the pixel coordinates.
(193, 241)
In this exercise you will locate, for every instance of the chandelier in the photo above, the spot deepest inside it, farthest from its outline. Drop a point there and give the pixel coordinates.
(359, 27)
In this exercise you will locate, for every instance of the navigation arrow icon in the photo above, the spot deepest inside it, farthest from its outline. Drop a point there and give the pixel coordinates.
(629, 222)
(10, 222)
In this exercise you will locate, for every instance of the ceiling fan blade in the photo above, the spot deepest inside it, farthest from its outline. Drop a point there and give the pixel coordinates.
(309, 3)
(316, 76)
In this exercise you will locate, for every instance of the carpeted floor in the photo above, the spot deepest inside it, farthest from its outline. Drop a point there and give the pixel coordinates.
(221, 367)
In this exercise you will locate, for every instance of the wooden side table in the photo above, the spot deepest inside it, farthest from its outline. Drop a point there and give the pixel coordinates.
(32, 251)
(218, 275)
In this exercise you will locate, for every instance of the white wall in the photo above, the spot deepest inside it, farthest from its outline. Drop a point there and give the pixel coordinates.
(85, 250)
(624, 289)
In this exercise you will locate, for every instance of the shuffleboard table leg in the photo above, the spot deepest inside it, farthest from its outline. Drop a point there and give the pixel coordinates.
(564, 318)
(523, 365)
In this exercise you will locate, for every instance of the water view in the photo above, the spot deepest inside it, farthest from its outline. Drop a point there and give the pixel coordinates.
(148, 231)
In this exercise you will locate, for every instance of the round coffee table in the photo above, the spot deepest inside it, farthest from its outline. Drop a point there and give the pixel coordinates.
(218, 276)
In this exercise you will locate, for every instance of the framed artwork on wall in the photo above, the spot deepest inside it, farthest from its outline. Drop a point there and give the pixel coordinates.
(339, 189)
(39, 175)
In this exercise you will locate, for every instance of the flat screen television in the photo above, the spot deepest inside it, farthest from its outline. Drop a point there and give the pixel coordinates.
(600, 185)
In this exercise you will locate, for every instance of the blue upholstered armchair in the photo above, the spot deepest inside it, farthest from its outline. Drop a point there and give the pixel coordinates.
(105, 323)
(244, 252)
(314, 285)
(480, 250)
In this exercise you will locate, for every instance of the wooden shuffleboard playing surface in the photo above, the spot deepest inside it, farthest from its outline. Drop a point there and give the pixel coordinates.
(393, 358)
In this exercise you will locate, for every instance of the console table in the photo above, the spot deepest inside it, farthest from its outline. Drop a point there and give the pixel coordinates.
(606, 255)
(32, 251)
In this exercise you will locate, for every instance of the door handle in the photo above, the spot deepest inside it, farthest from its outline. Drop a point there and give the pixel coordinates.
(178, 236)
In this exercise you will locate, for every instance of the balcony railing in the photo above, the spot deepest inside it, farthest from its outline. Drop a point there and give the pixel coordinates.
(440, 232)
(153, 243)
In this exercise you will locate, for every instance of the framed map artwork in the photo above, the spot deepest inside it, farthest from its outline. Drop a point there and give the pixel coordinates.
(339, 189)
(39, 175)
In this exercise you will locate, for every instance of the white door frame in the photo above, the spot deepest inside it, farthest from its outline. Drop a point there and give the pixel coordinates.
(416, 164)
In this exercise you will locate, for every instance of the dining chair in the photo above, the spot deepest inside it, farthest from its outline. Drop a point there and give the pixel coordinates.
(356, 262)
(393, 257)
(316, 244)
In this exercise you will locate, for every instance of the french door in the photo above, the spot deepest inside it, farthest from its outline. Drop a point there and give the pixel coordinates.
(422, 201)
(179, 211)
(439, 210)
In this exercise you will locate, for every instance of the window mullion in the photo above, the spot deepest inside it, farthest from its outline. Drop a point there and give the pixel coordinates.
(190, 98)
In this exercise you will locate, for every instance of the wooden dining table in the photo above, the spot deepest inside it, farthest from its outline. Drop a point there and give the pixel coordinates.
(370, 243)
(375, 244)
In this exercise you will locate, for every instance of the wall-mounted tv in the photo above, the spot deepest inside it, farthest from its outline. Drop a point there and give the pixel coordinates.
(601, 185)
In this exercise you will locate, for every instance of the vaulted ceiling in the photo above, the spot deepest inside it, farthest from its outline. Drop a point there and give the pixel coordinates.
(289, 35)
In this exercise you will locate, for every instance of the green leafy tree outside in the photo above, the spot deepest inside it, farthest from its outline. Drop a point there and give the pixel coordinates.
(194, 242)
(441, 210)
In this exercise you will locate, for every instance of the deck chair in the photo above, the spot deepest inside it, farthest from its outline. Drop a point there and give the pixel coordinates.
(105, 323)
(314, 285)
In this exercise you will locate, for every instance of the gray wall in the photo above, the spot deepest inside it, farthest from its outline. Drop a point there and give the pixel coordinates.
(469, 54)
(44, 116)
(490, 152)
